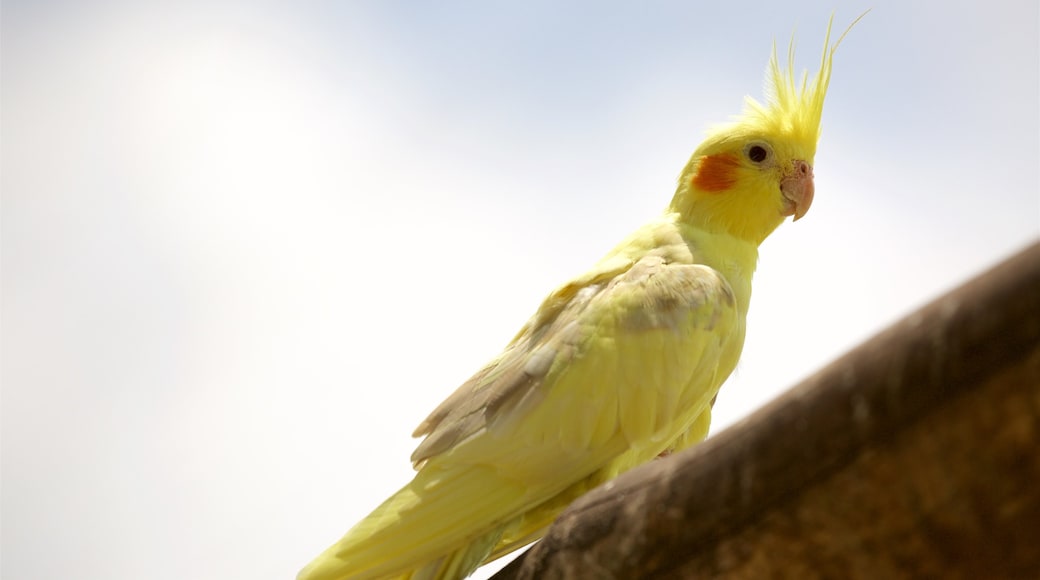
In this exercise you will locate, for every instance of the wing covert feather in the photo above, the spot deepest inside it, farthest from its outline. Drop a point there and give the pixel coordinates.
(607, 359)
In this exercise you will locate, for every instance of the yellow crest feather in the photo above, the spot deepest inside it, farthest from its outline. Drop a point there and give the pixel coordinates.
(793, 106)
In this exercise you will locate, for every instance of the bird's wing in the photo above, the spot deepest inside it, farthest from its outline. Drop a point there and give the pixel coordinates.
(465, 411)
(617, 352)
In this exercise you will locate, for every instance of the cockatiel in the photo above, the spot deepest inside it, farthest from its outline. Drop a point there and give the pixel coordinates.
(618, 366)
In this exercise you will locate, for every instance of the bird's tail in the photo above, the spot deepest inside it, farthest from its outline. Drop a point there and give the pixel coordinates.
(460, 563)
(441, 525)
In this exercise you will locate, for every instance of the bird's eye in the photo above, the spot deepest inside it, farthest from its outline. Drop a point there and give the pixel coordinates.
(758, 152)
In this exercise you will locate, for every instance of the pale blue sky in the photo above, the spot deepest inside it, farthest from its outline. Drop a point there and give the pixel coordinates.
(247, 246)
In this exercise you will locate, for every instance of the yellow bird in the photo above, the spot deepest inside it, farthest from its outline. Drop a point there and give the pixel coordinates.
(617, 366)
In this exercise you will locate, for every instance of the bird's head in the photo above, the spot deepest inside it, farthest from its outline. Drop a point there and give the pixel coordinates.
(751, 174)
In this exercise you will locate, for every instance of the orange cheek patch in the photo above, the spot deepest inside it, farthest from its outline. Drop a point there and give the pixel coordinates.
(716, 172)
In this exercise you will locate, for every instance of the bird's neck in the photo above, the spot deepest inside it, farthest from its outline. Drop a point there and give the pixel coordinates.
(733, 257)
(735, 213)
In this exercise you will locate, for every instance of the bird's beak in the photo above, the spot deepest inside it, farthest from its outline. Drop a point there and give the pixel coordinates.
(797, 188)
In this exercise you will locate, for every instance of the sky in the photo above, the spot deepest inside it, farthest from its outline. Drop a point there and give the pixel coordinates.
(247, 246)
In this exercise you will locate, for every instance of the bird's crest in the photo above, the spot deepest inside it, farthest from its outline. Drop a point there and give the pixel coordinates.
(793, 107)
